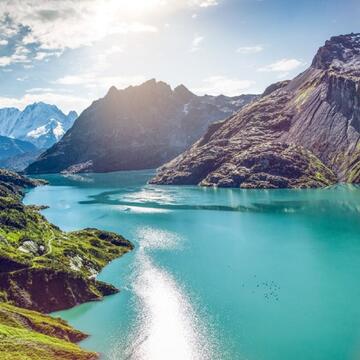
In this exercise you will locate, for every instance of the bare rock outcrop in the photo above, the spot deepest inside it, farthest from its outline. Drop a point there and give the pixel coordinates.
(301, 133)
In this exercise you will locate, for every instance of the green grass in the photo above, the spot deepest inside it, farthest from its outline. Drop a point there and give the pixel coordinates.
(32, 248)
(26, 334)
(28, 238)
(22, 344)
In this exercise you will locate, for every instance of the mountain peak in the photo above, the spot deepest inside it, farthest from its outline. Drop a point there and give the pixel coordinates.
(183, 93)
(72, 114)
(139, 127)
(302, 133)
(150, 82)
(113, 91)
(341, 53)
(40, 123)
(158, 85)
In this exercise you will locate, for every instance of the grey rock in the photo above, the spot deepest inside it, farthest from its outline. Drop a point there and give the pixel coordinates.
(302, 133)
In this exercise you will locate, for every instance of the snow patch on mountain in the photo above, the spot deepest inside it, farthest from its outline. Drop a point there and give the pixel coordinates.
(40, 123)
(53, 126)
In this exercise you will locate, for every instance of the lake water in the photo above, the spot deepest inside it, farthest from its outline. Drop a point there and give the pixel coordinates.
(217, 273)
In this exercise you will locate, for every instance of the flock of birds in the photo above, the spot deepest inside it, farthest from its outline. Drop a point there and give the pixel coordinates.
(270, 289)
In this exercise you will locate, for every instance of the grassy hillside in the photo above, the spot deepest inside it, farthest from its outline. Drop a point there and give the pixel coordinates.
(45, 269)
(26, 334)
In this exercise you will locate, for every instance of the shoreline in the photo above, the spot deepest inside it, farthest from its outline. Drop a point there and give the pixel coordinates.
(39, 258)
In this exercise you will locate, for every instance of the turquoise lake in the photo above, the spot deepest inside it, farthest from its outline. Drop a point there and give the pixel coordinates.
(217, 273)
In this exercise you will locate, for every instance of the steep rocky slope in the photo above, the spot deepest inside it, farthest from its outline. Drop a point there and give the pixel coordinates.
(301, 133)
(10, 147)
(140, 127)
(45, 269)
(20, 161)
(16, 154)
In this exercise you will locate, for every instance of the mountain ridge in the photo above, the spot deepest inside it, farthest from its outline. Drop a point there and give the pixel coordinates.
(301, 133)
(139, 127)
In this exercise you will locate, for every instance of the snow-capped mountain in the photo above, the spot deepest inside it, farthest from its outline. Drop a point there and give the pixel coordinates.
(41, 124)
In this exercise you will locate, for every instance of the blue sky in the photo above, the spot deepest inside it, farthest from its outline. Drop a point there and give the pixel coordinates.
(69, 52)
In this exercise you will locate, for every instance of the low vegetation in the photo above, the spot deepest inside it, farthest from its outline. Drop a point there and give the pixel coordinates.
(45, 269)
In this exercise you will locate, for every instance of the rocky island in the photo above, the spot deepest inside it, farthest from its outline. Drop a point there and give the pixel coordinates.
(43, 269)
(302, 133)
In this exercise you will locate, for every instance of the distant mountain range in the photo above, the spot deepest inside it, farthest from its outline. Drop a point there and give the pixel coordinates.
(41, 124)
(140, 127)
(24, 135)
(301, 133)
(13, 147)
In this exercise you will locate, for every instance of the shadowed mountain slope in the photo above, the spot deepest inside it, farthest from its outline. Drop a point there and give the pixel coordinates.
(139, 127)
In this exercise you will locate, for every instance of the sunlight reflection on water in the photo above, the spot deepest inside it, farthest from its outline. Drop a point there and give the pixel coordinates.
(168, 326)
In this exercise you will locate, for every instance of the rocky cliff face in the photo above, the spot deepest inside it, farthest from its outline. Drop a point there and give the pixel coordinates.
(140, 127)
(47, 290)
(302, 133)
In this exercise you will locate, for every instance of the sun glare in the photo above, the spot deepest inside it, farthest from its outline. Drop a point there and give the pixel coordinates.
(135, 8)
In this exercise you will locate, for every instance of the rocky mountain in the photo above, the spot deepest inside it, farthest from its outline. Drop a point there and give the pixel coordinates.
(139, 127)
(301, 133)
(21, 161)
(41, 124)
(16, 154)
(12, 147)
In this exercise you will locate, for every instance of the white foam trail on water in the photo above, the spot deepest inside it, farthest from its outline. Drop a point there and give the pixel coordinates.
(168, 325)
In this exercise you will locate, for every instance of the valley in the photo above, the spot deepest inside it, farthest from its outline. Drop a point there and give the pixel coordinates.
(145, 219)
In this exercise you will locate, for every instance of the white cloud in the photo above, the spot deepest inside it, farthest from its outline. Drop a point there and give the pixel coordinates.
(65, 102)
(204, 3)
(100, 82)
(3, 42)
(8, 29)
(196, 43)
(217, 85)
(102, 58)
(37, 90)
(20, 55)
(249, 49)
(60, 24)
(64, 98)
(23, 78)
(41, 55)
(283, 65)
(5, 61)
